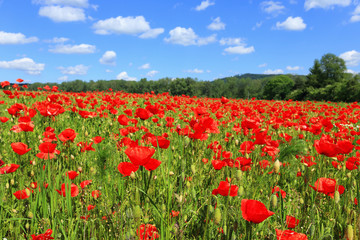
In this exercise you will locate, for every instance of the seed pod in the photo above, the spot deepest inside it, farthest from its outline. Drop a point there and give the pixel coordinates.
(217, 216)
(137, 213)
(350, 232)
(337, 197)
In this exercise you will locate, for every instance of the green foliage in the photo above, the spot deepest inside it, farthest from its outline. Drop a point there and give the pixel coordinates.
(278, 87)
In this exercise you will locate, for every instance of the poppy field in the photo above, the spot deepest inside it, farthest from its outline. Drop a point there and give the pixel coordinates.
(115, 165)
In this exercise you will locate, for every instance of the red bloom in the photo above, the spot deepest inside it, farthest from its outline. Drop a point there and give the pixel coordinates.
(291, 221)
(123, 120)
(85, 146)
(85, 183)
(10, 168)
(126, 168)
(152, 164)
(20, 148)
(22, 194)
(43, 236)
(73, 189)
(96, 194)
(225, 189)
(289, 235)
(97, 139)
(325, 147)
(47, 150)
(143, 114)
(5, 83)
(90, 207)
(67, 135)
(19, 80)
(147, 232)
(139, 155)
(277, 190)
(254, 211)
(72, 174)
(327, 186)
(4, 119)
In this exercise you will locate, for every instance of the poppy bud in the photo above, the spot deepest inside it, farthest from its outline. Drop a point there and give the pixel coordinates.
(146, 220)
(277, 166)
(188, 184)
(137, 213)
(301, 200)
(273, 200)
(350, 232)
(72, 157)
(312, 230)
(241, 190)
(80, 169)
(211, 209)
(30, 215)
(171, 173)
(83, 127)
(217, 216)
(27, 225)
(33, 162)
(349, 174)
(239, 175)
(32, 173)
(12, 182)
(236, 142)
(193, 169)
(86, 133)
(132, 175)
(336, 196)
(7, 185)
(14, 210)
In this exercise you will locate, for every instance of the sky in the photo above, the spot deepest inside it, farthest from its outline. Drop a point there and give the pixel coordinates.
(63, 40)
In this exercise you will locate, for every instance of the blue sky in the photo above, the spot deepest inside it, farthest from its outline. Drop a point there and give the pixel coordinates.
(63, 40)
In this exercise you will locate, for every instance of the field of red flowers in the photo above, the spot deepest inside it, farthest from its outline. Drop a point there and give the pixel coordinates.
(114, 165)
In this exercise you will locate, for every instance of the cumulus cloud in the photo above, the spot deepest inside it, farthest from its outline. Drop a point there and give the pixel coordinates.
(231, 41)
(74, 3)
(15, 38)
(351, 71)
(152, 33)
(57, 40)
(271, 7)
(126, 25)
(294, 68)
(73, 49)
(291, 24)
(352, 58)
(74, 70)
(145, 66)
(152, 73)
(204, 4)
(262, 65)
(216, 25)
(195, 70)
(356, 15)
(24, 64)
(309, 4)
(124, 76)
(63, 78)
(276, 71)
(187, 37)
(62, 13)
(108, 58)
(239, 50)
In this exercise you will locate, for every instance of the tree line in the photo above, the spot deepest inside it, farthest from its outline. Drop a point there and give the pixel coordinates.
(327, 80)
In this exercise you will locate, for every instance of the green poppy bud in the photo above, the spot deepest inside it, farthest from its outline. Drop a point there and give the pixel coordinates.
(217, 216)
(350, 232)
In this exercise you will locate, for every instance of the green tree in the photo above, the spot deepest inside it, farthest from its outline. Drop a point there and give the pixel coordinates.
(278, 87)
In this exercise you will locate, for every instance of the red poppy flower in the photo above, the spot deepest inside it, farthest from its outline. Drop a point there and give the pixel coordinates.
(72, 174)
(85, 183)
(85, 146)
(1, 162)
(67, 135)
(9, 168)
(289, 235)
(19, 80)
(22, 194)
(327, 186)
(225, 189)
(123, 119)
(90, 207)
(97, 139)
(277, 190)
(47, 150)
(4, 119)
(325, 147)
(143, 114)
(148, 232)
(126, 168)
(20, 148)
(254, 211)
(43, 236)
(139, 155)
(152, 164)
(5, 83)
(291, 221)
(73, 189)
(96, 194)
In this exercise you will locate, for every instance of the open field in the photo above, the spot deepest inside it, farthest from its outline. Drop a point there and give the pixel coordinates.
(113, 165)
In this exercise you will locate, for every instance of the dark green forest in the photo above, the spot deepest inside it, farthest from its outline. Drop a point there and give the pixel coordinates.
(327, 80)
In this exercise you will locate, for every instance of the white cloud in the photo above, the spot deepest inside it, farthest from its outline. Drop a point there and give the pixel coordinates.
(62, 14)
(195, 70)
(145, 66)
(108, 70)
(71, 49)
(216, 25)
(262, 65)
(24, 64)
(239, 50)
(63, 78)
(291, 24)
(187, 37)
(75, 70)
(352, 58)
(124, 76)
(231, 41)
(15, 38)
(108, 58)
(152, 33)
(74, 3)
(351, 71)
(204, 4)
(309, 4)
(125, 25)
(57, 40)
(294, 68)
(272, 7)
(276, 71)
(152, 73)
(257, 25)
(356, 15)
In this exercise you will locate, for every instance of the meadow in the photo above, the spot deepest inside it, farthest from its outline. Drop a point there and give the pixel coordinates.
(115, 165)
